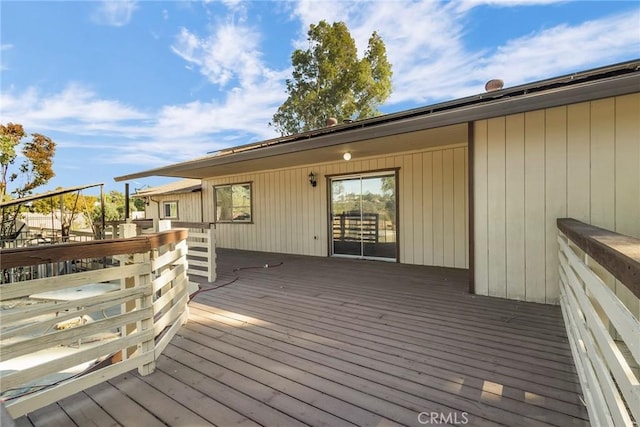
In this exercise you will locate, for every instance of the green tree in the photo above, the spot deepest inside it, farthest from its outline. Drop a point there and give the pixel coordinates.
(138, 204)
(67, 208)
(19, 180)
(113, 208)
(330, 81)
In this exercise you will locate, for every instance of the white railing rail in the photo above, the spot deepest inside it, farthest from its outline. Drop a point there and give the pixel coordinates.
(604, 334)
(63, 334)
(201, 241)
(202, 249)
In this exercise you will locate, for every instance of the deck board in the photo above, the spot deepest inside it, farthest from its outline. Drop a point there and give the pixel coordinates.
(85, 412)
(320, 341)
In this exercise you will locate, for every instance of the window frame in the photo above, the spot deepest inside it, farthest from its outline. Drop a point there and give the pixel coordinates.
(215, 203)
(165, 203)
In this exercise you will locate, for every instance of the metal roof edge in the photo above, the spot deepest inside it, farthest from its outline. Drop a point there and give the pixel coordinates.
(44, 195)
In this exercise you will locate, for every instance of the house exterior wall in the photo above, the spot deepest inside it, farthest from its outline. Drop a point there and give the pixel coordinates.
(291, 216)
(189, 209)
(580, 161)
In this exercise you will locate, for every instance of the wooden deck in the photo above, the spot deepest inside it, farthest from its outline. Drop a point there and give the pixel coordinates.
(333, 342)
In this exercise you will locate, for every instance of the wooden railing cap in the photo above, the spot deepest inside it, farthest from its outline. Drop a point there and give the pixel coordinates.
(35, 255)
(617, 253)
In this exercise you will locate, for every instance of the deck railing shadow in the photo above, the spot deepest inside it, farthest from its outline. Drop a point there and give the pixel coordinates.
(113, 307)
(600, 300)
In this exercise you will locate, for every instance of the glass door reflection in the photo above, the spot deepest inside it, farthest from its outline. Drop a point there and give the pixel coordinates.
(363, 216)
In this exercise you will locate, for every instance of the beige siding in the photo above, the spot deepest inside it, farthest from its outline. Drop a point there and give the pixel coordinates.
(481, 220)
(581, 161)
(188, 206)
(290, 216)
(514, 193)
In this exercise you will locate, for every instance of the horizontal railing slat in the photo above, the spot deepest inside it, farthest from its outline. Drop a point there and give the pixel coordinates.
(41, 399)
(70, 335)
(56, 283)
(626, 325)
(153, 263)
(594, 316)
(10, 316)
(93, 353)
(603, 353)
(598, 413)
(167, 276)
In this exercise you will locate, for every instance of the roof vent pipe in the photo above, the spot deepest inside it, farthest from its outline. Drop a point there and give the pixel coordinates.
(494, 84)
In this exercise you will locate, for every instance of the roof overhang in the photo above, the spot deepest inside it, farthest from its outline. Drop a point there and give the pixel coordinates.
(440, 124)
(179, 187)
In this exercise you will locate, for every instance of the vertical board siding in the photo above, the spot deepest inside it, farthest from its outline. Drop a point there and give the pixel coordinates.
(406, 187)
(460, 207)
(418, 204)
(188, 206)
(438, 208)
(534, 215)
(581, 161)
(627, 155)
(555, 194)
(427, 214)
(496, 200)
(291, 216)
(448, 218)
(578, 162)
(603, 163)
(514, 210)
(627, 193)
(481, 264)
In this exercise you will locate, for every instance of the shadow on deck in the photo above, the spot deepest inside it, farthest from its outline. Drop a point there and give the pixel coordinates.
(321, 341)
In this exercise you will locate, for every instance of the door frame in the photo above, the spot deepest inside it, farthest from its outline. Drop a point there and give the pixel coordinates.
(359, 174)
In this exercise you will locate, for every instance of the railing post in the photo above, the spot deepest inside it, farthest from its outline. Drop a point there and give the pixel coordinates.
(164, 225)
(211, 253)
(127, 231)
(147, 323)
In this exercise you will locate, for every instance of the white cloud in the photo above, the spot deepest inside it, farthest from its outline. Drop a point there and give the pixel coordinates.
(466, 5)
(557, 50)
(74, 106)
(425, 43)
(431, 62)
(123, 134)
(114, 12)
(230, 52)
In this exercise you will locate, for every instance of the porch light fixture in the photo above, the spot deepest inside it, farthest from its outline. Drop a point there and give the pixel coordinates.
(346, 156)
(312, 179)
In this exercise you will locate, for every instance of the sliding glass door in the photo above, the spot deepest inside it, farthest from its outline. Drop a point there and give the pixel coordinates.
(363, 216)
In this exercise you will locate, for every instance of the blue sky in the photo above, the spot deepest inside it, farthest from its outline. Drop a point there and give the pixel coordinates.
(125, 86)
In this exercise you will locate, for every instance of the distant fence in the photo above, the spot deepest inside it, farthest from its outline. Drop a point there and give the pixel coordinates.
(94, 324)
(604, 334)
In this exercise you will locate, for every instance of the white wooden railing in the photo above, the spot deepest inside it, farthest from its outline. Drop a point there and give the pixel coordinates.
(202, 249)
(604, 334)
(63, 334)
(201, 241)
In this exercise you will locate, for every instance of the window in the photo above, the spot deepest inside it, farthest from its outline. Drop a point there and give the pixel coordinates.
(233, 202)
(170, 210)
